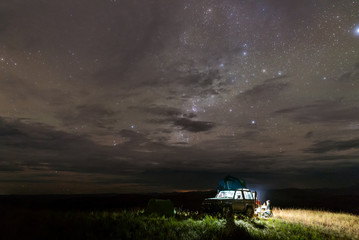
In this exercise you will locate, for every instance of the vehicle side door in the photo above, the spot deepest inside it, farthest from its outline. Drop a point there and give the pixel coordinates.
(238, 202)
(248, 199)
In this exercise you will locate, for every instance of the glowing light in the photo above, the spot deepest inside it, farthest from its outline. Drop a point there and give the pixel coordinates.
(253, 122)
(356, 31)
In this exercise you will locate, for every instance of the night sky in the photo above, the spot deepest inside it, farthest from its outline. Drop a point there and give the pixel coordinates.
(101, 96)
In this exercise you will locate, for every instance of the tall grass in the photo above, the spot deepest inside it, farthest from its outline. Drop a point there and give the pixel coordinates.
(341, 225)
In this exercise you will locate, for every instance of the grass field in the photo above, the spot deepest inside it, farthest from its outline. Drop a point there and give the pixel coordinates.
(286, 224)
(340, 225)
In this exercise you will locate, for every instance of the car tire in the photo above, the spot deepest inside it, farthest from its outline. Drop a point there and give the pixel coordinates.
(249, 212)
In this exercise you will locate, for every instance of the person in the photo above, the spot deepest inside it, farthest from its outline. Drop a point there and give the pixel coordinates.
(266, 212)
(264, 206)
(268, 205)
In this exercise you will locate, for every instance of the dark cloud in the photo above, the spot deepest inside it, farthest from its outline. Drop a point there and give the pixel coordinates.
(345, 77)
(202, 79)
(350, 77)
(324, 111)
(193, 126)
(96, 115)
(200, 82)
(134, 138)
(265, 92)
(309, 134)
(333, 158)
(186, 121)
(7, 130)
(330, 146)
(9, 167)
(32, 145)
(164, 111)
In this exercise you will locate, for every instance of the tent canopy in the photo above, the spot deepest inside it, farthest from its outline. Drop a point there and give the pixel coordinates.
(231, 183)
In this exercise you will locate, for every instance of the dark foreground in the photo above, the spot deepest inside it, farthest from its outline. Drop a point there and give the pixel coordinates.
(114, 216)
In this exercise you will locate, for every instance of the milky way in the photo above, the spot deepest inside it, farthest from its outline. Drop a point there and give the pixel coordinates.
(127, 96)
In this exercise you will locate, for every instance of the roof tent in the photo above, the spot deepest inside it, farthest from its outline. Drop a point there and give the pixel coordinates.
(231, 183)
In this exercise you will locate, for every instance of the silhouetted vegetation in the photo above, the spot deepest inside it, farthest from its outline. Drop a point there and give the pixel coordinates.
(135, 224)
(123, 217)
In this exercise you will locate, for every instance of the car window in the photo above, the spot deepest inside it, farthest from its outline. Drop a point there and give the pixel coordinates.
(238, 195)
(225, 194)
(247, 195)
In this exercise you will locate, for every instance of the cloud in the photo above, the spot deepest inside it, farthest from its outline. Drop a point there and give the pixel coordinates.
(323, 111)
(31, 145)
(97, 115)
(162, 111)
(197, 81)
(268, 91)
(134, 138)
(7, 130)
(193, 126)
(27, 91)
(201, 79)
(342, 159)
(273, 79)
(351, 76)
(309, 134)
(331, 145)
(179, 119)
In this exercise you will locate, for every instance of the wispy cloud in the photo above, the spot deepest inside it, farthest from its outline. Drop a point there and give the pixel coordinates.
(331, 146)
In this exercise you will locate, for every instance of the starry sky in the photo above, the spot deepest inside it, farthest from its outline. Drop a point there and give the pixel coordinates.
(124, 96)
